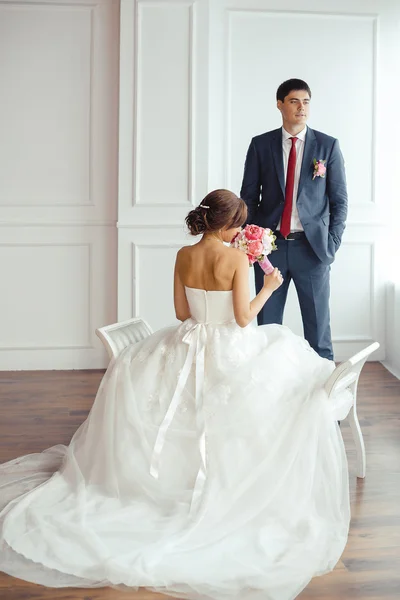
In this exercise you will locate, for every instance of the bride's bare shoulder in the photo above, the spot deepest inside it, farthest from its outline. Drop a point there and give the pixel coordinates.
(184, 250)
(238, 256)
(234, 255)
(184, 254)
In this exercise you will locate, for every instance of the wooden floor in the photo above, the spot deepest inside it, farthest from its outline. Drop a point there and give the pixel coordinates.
(40, 409)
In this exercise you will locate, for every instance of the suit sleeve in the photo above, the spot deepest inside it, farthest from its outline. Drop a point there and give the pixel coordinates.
(251, 184)
(337, 194)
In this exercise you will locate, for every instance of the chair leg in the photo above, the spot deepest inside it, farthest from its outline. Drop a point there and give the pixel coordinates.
(359, 443)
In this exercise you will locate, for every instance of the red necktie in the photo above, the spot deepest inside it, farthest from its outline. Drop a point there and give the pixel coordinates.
(287, 209)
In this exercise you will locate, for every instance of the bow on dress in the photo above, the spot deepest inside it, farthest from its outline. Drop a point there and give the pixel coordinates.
(196, 338)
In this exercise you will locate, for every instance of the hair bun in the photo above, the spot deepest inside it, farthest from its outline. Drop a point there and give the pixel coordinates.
(220, 209)
(196, 221)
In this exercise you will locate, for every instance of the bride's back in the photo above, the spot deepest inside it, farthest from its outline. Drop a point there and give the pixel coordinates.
(210, 265)
(207, 266)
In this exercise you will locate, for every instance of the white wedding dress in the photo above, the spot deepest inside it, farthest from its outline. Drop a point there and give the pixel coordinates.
(211, 466)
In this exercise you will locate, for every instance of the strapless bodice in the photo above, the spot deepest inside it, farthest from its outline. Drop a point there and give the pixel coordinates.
(210, 307)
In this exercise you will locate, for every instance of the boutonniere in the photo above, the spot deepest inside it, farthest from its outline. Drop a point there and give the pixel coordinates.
(319, 168)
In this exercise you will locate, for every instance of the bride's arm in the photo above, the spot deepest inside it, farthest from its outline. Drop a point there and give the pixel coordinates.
(244, 310)
(182, 311)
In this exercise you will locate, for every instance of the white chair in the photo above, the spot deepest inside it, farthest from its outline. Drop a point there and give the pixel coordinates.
(118, 336)
(346, 376)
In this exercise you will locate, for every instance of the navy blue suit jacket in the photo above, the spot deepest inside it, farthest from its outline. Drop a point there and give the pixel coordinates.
(321, 203)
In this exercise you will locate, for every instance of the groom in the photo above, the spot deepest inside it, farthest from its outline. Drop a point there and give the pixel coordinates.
(294, 183)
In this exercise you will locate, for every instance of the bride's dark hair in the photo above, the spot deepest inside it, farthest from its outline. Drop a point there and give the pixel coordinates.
(218, 210)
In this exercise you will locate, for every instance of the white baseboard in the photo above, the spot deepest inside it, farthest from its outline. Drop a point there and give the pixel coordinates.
(393, 370)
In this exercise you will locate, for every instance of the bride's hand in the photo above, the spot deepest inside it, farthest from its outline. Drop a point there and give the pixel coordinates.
(273, 281)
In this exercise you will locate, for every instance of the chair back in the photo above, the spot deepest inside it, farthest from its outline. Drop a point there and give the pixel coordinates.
(347, 373)
(118, 336)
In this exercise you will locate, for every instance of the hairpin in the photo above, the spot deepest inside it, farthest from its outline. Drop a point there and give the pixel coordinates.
(204, 206)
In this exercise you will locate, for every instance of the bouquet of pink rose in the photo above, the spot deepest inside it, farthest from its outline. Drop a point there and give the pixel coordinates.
(257, 242)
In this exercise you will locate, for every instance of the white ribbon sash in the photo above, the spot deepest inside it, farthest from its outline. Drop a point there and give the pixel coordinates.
(196, 338)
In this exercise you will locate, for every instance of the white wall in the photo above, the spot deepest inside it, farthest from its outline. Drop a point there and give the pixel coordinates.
(163, 147)
(197, 80)
(392, 360)
(58, 174)
(181, 146)
(349, 53)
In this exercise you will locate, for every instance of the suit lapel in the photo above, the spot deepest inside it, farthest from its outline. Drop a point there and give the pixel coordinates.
(308, 156)
(276, 146)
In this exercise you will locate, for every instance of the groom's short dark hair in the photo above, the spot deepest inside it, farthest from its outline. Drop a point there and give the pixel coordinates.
(289, 86)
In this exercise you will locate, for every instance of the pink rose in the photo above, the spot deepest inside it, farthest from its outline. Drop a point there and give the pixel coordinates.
(254, 232)
(321, 169)
(255, 247)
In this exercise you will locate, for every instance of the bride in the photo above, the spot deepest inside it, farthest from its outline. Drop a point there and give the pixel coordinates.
(211, 465)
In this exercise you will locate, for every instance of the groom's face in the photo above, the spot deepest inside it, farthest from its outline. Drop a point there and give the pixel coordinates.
(295, 108)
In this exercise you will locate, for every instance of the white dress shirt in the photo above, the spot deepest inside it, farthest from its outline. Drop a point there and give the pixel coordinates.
(295, 223)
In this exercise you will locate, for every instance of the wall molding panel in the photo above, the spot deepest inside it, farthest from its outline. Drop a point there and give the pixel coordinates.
(59, 174)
